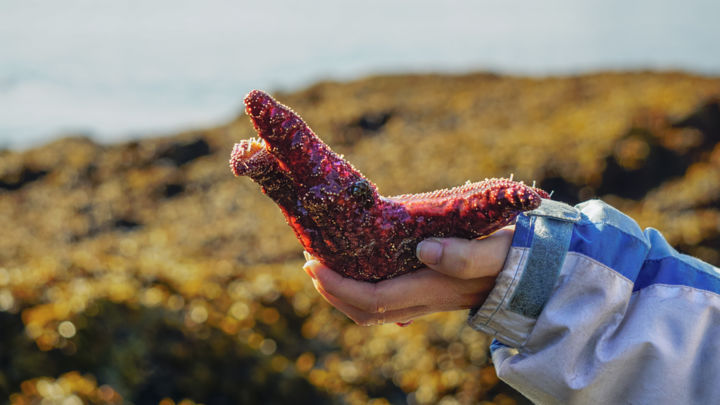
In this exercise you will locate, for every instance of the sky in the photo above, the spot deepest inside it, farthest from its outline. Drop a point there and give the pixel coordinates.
(116, 70)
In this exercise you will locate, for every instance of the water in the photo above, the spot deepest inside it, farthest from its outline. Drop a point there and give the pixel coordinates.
(117, 70)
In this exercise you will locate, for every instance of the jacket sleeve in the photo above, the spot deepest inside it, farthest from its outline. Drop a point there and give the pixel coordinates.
(591, 309)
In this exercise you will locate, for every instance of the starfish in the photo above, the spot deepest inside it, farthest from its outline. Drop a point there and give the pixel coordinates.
(338, 215)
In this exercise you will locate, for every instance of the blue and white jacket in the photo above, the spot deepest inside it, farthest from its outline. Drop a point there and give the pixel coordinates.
(589, 309)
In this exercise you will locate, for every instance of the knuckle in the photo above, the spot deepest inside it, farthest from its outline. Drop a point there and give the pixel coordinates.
(471, 258)
(378, 301)
(463, 265)
(479, 258)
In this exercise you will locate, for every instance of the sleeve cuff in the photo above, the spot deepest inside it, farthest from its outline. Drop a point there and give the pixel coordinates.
(531, 269)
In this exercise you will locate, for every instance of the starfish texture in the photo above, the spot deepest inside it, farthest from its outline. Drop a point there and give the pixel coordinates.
(338, 215)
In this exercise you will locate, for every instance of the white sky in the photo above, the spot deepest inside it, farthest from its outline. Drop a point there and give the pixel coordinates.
(127, 68)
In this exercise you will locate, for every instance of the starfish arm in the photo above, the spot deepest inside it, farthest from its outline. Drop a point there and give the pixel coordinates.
(471, 209)
(296, 146)
(338, 215)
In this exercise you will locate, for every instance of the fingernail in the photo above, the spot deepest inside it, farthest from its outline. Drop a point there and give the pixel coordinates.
(307, 255)
(429, 251)
(309, 272)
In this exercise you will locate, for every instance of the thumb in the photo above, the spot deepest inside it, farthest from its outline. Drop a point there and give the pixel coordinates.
(467, 259)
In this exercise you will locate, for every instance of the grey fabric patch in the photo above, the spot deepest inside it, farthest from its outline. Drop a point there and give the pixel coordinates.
(553, 229)
(556, 210)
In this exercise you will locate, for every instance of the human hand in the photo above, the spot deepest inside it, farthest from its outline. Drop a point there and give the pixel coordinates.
(460, 275)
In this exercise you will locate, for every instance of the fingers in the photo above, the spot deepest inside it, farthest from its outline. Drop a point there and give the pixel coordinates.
(467, 259)
(357, 293)
(461, 274)
(420, 292)
(364, 318)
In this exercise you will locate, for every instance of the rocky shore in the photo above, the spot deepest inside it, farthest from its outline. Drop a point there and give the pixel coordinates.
(145, 272)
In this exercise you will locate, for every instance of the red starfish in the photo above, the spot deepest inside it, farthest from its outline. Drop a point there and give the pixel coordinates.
(337, 213)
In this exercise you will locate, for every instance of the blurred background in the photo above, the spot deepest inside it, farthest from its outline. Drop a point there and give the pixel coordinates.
(134, 268)
(114, 70)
